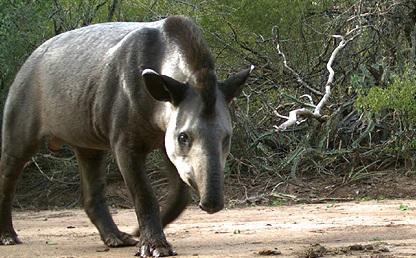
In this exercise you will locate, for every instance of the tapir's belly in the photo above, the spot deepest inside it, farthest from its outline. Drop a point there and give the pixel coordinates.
(78, 136)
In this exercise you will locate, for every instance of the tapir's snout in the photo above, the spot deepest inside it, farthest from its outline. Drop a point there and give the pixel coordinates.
(211, 207)
(212, 199)
(203, 171)
(211, 204)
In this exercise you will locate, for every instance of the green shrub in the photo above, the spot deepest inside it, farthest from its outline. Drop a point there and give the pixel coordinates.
(398, 96)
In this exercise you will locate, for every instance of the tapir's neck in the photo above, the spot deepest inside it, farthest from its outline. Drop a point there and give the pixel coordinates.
(175, 65)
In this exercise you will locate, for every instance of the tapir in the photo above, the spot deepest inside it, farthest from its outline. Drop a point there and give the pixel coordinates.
(127, 88)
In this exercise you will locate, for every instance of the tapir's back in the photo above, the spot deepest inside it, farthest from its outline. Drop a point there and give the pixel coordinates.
(74, 58)
(70, 79)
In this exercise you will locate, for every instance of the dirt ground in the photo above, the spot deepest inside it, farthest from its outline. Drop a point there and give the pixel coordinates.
(366, 229)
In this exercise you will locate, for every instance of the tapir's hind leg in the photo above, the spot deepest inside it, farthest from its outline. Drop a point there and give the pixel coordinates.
(91, 166)
(10, 169)
(13, 159)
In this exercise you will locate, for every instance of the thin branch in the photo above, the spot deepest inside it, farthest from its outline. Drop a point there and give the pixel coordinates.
(294, 117)
(305, 113)
(325, 98)
(285, 63)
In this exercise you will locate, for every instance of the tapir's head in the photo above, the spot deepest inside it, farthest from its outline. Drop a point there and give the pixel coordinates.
(199, 129)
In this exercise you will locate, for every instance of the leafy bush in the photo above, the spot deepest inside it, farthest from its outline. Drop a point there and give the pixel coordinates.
(398, 96)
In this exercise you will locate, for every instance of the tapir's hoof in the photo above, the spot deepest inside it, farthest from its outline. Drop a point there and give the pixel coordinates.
(155, 248)
(9, 239)
(119, 240)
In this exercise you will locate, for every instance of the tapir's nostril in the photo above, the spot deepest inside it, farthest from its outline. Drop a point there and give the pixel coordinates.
(211, 208)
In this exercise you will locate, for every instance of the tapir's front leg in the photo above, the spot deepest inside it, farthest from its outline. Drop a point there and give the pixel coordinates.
(178, 196)
(152, 239)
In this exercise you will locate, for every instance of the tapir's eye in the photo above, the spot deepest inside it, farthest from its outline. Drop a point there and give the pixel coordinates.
(184, 139)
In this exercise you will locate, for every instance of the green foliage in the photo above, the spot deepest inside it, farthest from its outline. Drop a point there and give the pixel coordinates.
(399, 96)
(22, 28)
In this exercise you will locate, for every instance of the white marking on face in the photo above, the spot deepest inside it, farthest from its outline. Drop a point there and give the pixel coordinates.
(185, 170)
(181, 163)
(195, 161)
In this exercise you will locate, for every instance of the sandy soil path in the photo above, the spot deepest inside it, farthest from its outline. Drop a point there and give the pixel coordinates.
(366, 229)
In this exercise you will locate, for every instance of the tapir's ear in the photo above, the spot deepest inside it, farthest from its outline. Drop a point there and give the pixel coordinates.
(233, 86)
(163, 88)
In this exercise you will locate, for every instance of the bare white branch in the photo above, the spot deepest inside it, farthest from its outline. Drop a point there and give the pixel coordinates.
(309, 97)
(331, 75)
(279, 115)
(386, 11)
(295, 115)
